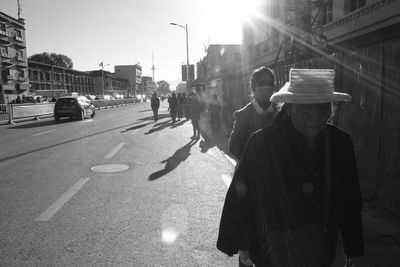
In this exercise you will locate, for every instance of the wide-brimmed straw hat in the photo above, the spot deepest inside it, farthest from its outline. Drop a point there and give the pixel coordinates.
(309, 86)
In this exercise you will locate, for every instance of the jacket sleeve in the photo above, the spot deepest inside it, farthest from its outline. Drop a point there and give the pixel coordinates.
(238, 138)
(236, 212)
(349, 219)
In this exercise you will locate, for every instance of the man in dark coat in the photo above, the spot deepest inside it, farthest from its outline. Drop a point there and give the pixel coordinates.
(155, 105)
(256, 114)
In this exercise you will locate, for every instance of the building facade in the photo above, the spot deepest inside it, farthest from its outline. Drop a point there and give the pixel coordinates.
(13, 58)
(148, 86)
(53, 81)
(131, 73)
(219, 72)
(361, 41)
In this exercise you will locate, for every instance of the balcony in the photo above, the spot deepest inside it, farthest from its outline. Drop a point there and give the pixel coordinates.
(362, 21)
(20, 58)
(19, 39)
(5, 54)
(3, 34)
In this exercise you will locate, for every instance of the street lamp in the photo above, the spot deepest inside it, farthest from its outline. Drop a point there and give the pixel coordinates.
(187, 52)
(102, 77)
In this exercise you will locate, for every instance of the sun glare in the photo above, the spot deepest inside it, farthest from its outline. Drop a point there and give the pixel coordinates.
(225, 17)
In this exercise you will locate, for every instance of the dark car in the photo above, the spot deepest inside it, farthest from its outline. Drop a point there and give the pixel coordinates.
(73, 107)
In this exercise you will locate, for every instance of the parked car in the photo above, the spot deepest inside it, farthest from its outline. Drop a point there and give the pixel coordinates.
(73, 107)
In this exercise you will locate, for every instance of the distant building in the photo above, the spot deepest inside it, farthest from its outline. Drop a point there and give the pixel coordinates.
(131, 73)
(148, 86)
(53, 81)
(13, 58)
(111, 83)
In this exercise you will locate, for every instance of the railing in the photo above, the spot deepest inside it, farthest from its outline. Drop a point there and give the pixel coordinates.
(10, 113)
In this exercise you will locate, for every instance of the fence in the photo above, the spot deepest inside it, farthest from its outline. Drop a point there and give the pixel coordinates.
(371, 75)
(10, 113)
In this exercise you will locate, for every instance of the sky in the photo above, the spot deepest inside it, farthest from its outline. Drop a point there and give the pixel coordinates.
(125, 32)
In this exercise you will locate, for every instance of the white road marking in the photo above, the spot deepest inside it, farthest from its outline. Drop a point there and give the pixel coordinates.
(227, 179)
(47, 214)
(44, 132)
(114, 151)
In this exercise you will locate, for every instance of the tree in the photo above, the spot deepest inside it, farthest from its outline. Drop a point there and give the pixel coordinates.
(163, 87)
(53, 59)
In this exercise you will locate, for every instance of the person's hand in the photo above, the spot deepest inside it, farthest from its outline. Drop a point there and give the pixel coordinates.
(244, 257)
(353, 262)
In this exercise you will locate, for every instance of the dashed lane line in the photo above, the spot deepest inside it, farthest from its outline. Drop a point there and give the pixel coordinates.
(114, 151)
(47, 214)
(44, 132)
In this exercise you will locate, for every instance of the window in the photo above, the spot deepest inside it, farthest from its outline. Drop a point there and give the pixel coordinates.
(328, 12)
(4, 51)
(3, 29)
(356, 4)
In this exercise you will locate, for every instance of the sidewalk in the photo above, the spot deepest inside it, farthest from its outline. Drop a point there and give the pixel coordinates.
(381, 227)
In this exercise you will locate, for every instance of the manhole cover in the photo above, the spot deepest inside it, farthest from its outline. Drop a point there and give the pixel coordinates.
(110, 168)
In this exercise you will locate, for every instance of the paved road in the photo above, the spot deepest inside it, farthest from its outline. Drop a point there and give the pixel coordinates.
(116, 190)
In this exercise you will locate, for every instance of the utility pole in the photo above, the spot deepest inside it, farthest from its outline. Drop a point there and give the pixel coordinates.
(153, 68)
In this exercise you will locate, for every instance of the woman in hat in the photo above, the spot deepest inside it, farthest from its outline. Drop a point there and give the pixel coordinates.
(296, 187)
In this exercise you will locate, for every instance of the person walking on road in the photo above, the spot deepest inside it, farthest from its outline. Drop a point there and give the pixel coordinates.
(296, 186)
(155, 105)
(255, 115)
(215, 114)
(179, 110)
(187, 105)
(195, 110)
(173, 105)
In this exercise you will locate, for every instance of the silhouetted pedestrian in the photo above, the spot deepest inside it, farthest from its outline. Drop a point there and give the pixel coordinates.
(173, 105)
(155, 105)
(252, 117)
(179, 110)
(195, 110)
(215, 114)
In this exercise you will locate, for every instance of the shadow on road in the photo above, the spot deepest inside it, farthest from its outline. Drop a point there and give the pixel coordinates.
(136, 127)
(172, 162)
(41, 123)
(145, 110)
(178, 123)
(159, 126)
(160, 117)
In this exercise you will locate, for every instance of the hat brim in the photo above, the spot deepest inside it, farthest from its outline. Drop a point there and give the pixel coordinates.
(283, 96)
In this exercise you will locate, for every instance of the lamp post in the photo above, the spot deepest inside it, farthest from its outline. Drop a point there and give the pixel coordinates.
(187, 53)
(102, 77)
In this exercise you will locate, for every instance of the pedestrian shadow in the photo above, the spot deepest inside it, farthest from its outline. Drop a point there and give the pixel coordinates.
(159, 127)
(136, 127)
(172, 162)
(160, 117)
(178, 123)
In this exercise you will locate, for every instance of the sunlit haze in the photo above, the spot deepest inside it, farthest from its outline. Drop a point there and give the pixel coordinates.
(124, 32)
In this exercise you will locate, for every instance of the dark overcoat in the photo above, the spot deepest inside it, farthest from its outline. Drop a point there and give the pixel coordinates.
(247, 121)
(254, 197)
